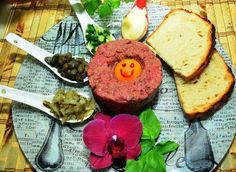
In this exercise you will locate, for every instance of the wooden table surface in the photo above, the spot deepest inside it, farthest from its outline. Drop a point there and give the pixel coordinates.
(31, 20)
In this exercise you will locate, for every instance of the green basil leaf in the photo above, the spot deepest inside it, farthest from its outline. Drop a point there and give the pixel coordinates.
(132, 165)
(91, 5)
(151, 125)
(104, 10)
(146, 145)
(154, 162)
(166, 147)
(114, 3)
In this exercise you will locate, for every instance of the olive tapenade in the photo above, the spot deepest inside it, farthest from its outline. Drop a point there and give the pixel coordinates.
(74, 69)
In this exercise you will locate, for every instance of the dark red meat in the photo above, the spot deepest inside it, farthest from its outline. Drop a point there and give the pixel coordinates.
(124, 96)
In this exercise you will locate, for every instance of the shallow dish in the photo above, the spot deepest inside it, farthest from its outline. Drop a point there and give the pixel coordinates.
(36, 132)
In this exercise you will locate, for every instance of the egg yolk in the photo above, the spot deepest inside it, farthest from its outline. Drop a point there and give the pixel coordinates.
(127, 69)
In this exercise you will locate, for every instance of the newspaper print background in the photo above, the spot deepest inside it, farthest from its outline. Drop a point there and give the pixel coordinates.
(48, 145)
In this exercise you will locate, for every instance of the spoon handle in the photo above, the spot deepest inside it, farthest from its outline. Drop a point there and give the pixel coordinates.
(31, 99)
(82, 15)
(30, 48)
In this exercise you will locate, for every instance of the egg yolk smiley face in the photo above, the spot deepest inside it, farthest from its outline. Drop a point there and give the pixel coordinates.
(127, 69)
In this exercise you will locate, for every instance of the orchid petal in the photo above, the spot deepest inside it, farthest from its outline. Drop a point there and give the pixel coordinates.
(103, 117)
(133, 152)
(128, 128)
(99, 162)
(95, 136)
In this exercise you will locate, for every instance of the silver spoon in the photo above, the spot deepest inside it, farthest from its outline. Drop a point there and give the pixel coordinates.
(84, 19)
(50, 156)
(38, 53)
(35, 100)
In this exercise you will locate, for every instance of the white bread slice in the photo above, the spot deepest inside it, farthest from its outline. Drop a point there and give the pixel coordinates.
(184, 41)
(206, 91)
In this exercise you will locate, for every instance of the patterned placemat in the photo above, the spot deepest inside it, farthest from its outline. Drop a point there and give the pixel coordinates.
(31, 20)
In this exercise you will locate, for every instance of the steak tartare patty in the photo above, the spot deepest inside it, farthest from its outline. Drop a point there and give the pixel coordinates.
(135, 89)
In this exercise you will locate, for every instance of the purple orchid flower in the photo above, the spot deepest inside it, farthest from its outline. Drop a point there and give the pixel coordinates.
(110, 139)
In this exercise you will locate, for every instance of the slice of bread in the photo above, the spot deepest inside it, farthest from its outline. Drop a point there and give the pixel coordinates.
(206, 91)
(184, 41)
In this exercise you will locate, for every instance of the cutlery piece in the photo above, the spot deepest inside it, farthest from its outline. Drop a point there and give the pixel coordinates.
(84, 19)
(135, 23)
(198, 152)
(51, 157)
(34, 100)
(37, 52)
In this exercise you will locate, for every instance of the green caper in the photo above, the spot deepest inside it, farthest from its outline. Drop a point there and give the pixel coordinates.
(84, 62)
(80, 68)
(54, 60)
(48, 60)
(69, 76)
(86, 68)
(63, 74)
(68, 55)
(59, 70)
(79, 78)
(61, 60)
(72, 64)
(65, 67)
(79, 60)
(83, 75)
(73, 71)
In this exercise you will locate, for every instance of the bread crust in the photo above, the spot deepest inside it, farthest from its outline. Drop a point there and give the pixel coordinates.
(201, 68)
(207, 55)
(207, 111)
(212, 107)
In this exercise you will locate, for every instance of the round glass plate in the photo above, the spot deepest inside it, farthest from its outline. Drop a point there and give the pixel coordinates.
(49, 145)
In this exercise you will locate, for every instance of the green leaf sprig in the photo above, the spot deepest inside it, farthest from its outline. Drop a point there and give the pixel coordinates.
(152, 155)
(104, 8)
